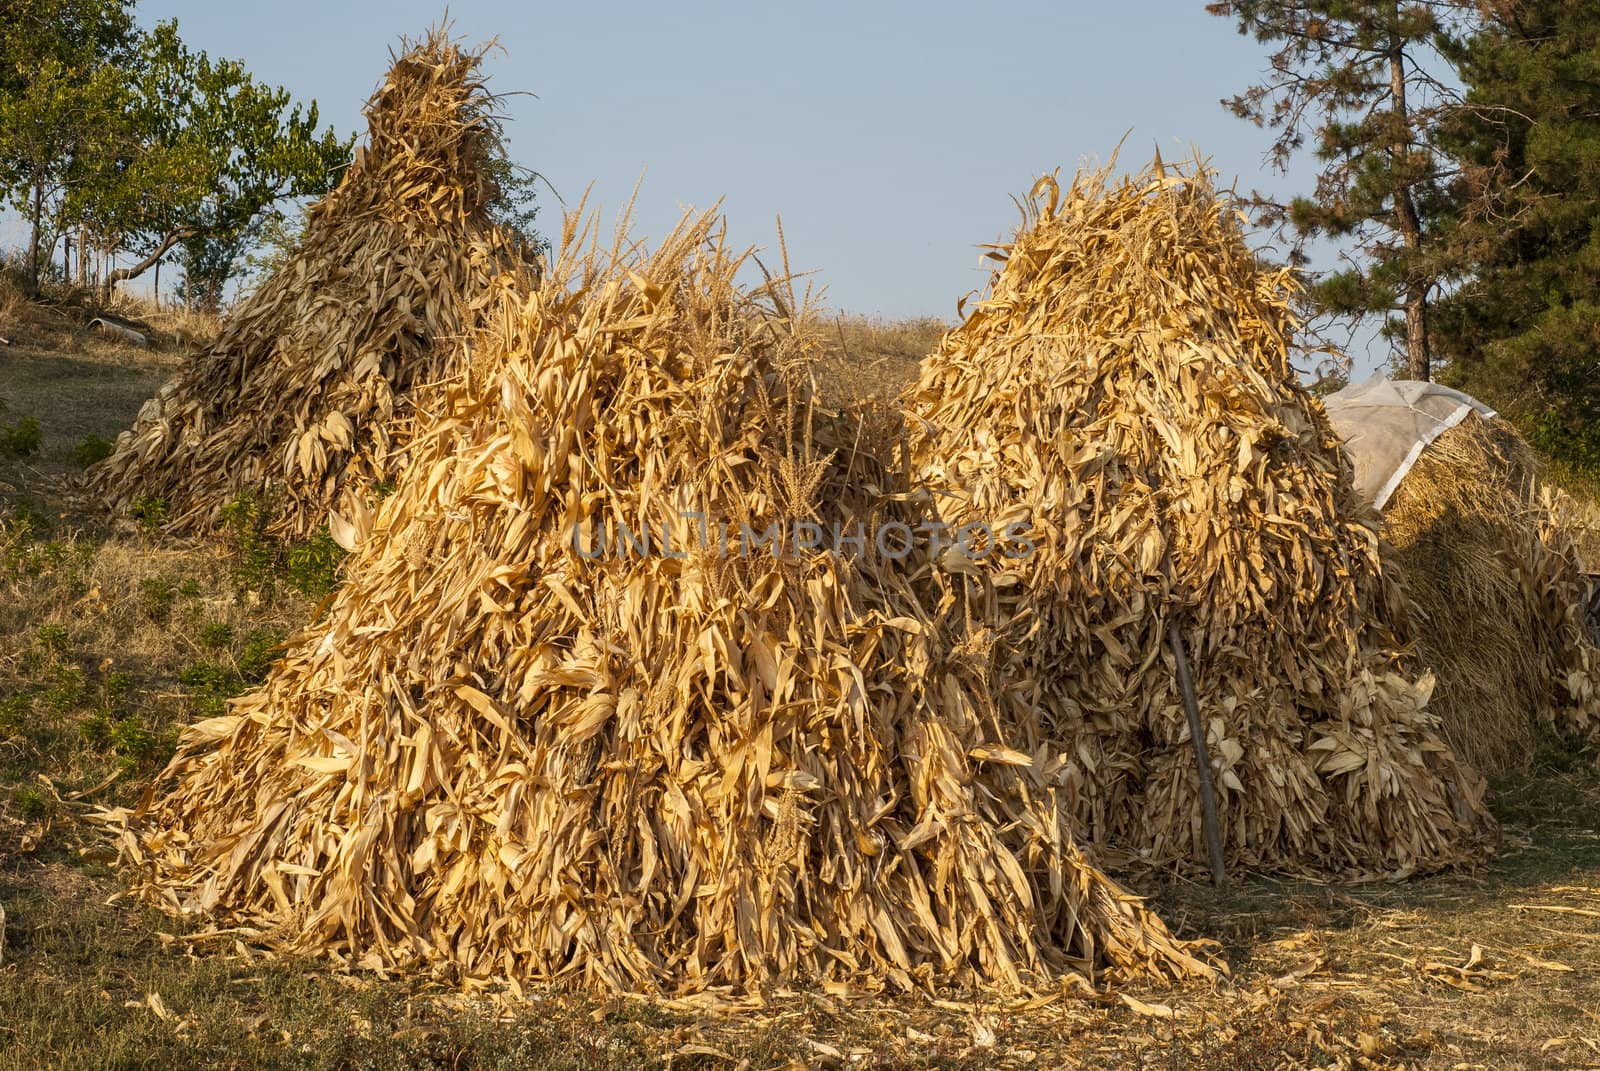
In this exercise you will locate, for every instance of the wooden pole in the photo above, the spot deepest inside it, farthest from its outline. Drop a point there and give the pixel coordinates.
(1202, 757)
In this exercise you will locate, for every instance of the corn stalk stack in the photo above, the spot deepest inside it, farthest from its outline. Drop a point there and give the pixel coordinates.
(304, 398)
(1491, 566)
(1123, 388)
(519, 748)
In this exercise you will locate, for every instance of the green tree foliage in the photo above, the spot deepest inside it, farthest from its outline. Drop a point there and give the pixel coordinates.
(216, 152)
(62, 98)
(275, 243)
(513, 205)
(1352, 78)
(1523, 330)
(142, 143)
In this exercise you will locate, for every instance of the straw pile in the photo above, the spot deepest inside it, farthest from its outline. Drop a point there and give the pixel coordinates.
(304, 397)
(1496, 583)
(1124, 389)
(508, 752)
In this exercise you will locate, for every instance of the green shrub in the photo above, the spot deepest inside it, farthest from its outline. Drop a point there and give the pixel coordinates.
(52, 638)
(314, 565)
(210, 687)
(20, 439)
(96, 729)
(31, 803)
(150, 514)
(261, 564)
(216, 636)
(259, 652)
(130, 739)
(67, 690)
(92, 448)
(156, 596)
(14, 711)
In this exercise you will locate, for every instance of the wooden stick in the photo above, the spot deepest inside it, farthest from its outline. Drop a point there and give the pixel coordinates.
(1202, 758)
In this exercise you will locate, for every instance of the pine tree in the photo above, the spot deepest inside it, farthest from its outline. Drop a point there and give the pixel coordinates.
(1523, 330)
(1352, 77)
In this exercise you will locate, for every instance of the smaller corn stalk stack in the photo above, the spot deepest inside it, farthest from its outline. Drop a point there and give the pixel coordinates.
(521, 747)
(1490, 563)
(304, 398)
(1123, 390)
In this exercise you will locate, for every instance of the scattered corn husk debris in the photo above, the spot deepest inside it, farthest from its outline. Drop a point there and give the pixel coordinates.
(1124, 389)
(305, 397)
(1490, 563)
(695, 775)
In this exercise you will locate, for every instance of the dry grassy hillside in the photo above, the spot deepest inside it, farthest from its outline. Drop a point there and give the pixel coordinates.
(113, 635)
(866, 355)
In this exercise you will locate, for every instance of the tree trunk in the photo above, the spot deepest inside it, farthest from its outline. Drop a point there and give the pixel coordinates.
(33, 242)
(136, 270)
(1419, 363)
(1418, 359)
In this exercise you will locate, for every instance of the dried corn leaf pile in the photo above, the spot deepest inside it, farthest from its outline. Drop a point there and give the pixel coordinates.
(507, 754)
(304, 397)
(1124, 387)
(1493, 572)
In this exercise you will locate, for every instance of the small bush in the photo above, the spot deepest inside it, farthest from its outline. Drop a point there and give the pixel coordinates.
(261, 564)
(22, 527)
(150, 514)
(130, 739)
(92, 448)
(20, 439)
(96, 729)
(260, 651)
(67, 690)
(14, 711)
(314, 565)
(216, 636)
(210, 686)
(156, 596)
(52, 638)
(114, 688)
(31, 803)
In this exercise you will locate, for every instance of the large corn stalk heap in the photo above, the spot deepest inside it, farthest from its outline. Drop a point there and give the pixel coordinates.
(518, 747)
(1124, 388)
(304, 398)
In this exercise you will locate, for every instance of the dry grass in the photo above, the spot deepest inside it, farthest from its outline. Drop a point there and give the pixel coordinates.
(58, 319)
(175, 326)
(864, 357)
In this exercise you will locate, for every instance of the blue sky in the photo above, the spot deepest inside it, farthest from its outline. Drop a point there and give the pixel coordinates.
(890, 137)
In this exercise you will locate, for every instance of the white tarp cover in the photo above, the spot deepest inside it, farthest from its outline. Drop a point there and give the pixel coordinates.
(1387, 423)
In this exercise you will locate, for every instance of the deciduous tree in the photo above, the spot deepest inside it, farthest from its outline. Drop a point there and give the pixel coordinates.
(216, 151)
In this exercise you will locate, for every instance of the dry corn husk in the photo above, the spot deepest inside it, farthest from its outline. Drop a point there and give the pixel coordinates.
(500, 759)
(1491, 566)
(304, 398)
(1124, 386)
